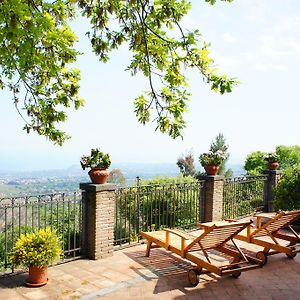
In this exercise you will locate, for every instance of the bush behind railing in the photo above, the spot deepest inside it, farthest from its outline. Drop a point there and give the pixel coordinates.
(243, 196)
(153, 206)
(60, 212)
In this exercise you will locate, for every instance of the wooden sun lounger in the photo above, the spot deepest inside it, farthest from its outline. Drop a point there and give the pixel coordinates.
(270, 237)
(196, 248)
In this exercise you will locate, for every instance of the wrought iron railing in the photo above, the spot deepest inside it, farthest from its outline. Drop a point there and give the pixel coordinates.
(61, 212)
(138, 208)
(151, 207)
(243, 196)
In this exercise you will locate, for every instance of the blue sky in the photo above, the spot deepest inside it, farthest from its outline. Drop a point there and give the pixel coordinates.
(253, 40)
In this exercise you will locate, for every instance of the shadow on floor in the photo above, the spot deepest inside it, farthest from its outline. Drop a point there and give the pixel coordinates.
(169, 270)
(13, 280)
(167, 275)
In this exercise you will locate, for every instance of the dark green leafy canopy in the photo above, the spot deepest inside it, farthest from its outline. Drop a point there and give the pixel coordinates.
(255, 164)
(289, 156)
(37, 44)
(287, 192)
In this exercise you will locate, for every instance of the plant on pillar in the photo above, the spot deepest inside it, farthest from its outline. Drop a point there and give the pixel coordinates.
(272, 159)
(99, 163)
(211, 161)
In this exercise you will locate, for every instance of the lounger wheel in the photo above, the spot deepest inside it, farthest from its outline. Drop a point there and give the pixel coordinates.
(236, 274)
(194, 276)
(262, 256)
(291, 256)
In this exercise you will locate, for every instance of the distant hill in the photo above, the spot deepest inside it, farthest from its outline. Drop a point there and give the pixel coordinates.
(53, 181)
(130, 171)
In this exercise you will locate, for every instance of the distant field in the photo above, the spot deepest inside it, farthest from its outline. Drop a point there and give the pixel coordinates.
(44, 188)
(9, 190)
(38, 188)
(47, 182)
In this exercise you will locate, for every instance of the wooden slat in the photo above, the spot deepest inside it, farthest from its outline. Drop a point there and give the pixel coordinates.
(224, 224)
(242, 269)
(179, 233)
(218, 235)
(195, 247)
(212, 237)
(221, 234)
(279, 221)
(259, 233)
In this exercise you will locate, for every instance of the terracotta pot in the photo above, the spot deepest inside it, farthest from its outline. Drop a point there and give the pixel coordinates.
(99, 176)
(38, 276)
(211, 170)
(273, 165)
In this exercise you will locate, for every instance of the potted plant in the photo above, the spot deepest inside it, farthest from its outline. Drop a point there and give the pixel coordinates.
(99, 163)
(211, 161)
(272, 159)
(36, 251)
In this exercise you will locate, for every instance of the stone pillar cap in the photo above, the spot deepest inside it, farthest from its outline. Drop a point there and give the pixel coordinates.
(212, 177)
(92, 187)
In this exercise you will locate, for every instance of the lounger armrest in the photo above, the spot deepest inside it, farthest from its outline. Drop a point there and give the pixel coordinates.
(223, 223)
(258, 218)
(179, 233)
(230, 220)
(184, 237)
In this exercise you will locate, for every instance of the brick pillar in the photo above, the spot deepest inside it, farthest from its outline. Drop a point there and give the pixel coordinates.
(98, 219)
(212, 198)
(273, 176)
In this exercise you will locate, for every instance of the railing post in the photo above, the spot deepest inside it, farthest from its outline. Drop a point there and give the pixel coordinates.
(98, 219)
(138, 212)
(273, 177)
(212, 198)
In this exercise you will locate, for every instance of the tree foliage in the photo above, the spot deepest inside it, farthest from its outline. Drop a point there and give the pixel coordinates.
(37, 47)
(289, 156)
(186, 164)
(155, 203)
(255, 164)
(219, 144)
(116, 176)
(287, 192)
(214, 1)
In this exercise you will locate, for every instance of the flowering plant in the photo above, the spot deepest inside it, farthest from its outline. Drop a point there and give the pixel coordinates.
(97, 159)
(36, 249)
(271, 157)
(212, 158)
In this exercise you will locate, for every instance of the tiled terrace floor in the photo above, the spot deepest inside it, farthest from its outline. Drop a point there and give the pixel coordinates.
(131, 275)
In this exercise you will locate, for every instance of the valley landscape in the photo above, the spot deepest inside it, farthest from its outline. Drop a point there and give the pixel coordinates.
(37, 182)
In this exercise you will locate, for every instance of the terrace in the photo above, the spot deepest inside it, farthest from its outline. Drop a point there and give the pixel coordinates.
(126, 272)
(130, 275)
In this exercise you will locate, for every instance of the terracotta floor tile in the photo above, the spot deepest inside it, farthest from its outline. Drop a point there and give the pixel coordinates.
(130, 275)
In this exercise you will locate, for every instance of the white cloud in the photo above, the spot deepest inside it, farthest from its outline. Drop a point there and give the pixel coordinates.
(287, 23)
(266, 67)
(249, 56)
(229, 38)
(294, 45)
(257, 12)
(225, 61)
(273, 47)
